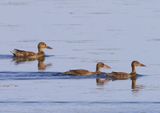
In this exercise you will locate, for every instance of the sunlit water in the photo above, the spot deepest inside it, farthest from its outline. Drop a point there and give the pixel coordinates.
(82, 33)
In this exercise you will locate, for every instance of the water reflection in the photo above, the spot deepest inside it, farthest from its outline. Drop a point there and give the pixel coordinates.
(102, 81)
(134, 79)
(22, 60)
(134, 87)
(42, 66)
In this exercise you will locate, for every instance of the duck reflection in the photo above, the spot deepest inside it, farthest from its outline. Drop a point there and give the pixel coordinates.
(23, 60)
(102, 81)
(134, 79)
(42, 66)
(134, 87)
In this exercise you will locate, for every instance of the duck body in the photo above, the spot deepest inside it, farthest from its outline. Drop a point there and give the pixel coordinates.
(31, 55)
(80, 72)
(83, 72)
(124, 75)
(25, 54)
(119, 75)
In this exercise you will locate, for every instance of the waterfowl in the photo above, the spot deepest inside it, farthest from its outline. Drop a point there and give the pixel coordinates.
(31, 55)
(123, 75)
(82, 72)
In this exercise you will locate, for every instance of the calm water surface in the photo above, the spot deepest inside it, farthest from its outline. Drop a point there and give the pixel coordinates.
(82, 33)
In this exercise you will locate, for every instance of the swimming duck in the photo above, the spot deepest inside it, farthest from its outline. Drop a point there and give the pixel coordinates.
(31, 55)
(82, 72)
(123, 75)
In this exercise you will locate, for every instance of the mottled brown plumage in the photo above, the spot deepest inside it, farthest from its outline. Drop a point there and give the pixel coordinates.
(119, 75)
(123, 75)
(82, 72)
(27, 54)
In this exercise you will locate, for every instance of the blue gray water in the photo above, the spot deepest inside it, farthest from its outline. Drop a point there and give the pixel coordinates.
(82, 33)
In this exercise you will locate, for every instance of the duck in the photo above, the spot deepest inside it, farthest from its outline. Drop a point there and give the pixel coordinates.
(83, 72)
(31, 55)
(124, 75)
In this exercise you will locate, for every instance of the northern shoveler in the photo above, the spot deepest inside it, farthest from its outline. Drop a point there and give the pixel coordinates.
(123, 75)
(31, 55)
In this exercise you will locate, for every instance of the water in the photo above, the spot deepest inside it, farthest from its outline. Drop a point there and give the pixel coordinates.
(82, 33)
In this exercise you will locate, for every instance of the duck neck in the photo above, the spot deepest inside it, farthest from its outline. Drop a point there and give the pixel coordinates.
(41, 52)
(133, 69)
(98, 70)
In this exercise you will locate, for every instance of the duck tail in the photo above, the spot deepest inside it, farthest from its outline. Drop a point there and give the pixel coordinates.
(13, 52)
(67, 73)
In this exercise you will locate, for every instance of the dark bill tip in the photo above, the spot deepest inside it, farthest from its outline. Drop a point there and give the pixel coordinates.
(49, 47)
(143, 65)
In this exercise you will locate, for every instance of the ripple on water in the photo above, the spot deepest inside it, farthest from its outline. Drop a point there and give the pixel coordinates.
(14, 3)
(6, 56)
(45, 75)
(154, 39)
(39, 75)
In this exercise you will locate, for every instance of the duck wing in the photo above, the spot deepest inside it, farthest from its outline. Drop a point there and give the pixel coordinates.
(18, 50)
(119, 75)
(22, 53)
(78, 72)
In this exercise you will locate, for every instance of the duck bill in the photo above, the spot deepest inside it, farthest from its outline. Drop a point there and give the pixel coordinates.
(107, 67)
(142, 65)
(48, 47)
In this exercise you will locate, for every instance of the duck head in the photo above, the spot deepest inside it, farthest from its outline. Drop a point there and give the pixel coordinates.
(135, 64)
(42, 46)
(101, 65)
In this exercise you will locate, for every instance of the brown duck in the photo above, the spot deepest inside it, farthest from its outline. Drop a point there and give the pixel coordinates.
(82, 72)
(31, 55)
(123, 75)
